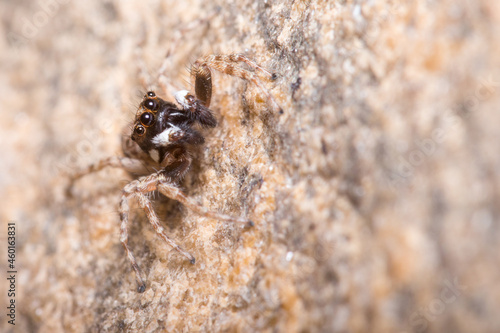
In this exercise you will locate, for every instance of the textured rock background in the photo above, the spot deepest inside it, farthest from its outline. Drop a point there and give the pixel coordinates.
(375, 194)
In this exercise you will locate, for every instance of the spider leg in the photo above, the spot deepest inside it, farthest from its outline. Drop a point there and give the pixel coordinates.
(179, 167)
(131, 165)
(124, 210)
(173, 192)
(153, 219)
(179, 35)
(226, 64)
(138, 188)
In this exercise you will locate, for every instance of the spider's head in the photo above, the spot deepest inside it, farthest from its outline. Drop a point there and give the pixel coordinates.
(157, 125)
(146, 118)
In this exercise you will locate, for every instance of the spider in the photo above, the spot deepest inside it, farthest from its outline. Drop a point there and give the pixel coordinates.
(162, 138)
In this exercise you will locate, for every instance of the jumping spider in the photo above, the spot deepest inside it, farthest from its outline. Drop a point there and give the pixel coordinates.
(163, 137)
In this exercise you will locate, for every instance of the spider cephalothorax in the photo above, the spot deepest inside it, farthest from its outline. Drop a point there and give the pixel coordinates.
(163, 135)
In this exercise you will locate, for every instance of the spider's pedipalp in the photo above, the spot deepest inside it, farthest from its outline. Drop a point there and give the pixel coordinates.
(182, 97)
(196, 110)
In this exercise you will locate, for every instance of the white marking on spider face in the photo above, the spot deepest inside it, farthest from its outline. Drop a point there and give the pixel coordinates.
(163, 139)
(180, 97)
(175, 114)
(155, 155)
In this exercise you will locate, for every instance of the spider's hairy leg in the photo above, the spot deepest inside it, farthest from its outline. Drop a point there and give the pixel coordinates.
(179, 36)
(235, 58)
(227, 64)
(139, 188)
(158, 181)
(129, 164)
(198, 111)
(178, 168)
(124, 210)
(202, 77)
(173, 192)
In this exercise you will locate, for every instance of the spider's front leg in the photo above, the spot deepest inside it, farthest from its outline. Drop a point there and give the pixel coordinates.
(131, 165)
(173, 192)
(159, 181)
(136, 162)
(227, 64)
(139, 188)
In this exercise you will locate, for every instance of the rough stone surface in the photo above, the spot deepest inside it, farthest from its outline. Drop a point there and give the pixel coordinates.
(376, 194)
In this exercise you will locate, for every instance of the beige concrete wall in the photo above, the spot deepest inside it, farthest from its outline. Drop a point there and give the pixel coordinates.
(375, 194)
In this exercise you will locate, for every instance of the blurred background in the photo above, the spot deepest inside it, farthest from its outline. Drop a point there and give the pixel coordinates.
(375, 194)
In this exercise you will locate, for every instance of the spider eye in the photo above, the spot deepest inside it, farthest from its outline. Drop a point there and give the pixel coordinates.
(147, 119)
(151, 104)
(139, 130)
(151, 94)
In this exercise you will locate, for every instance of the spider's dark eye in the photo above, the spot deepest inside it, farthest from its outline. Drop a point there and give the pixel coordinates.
(139, 130)
(147, 119)
(151, 104)
(151, 94)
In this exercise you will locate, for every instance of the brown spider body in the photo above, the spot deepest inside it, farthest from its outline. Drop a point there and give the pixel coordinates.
(159, 147)
(166, 132)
